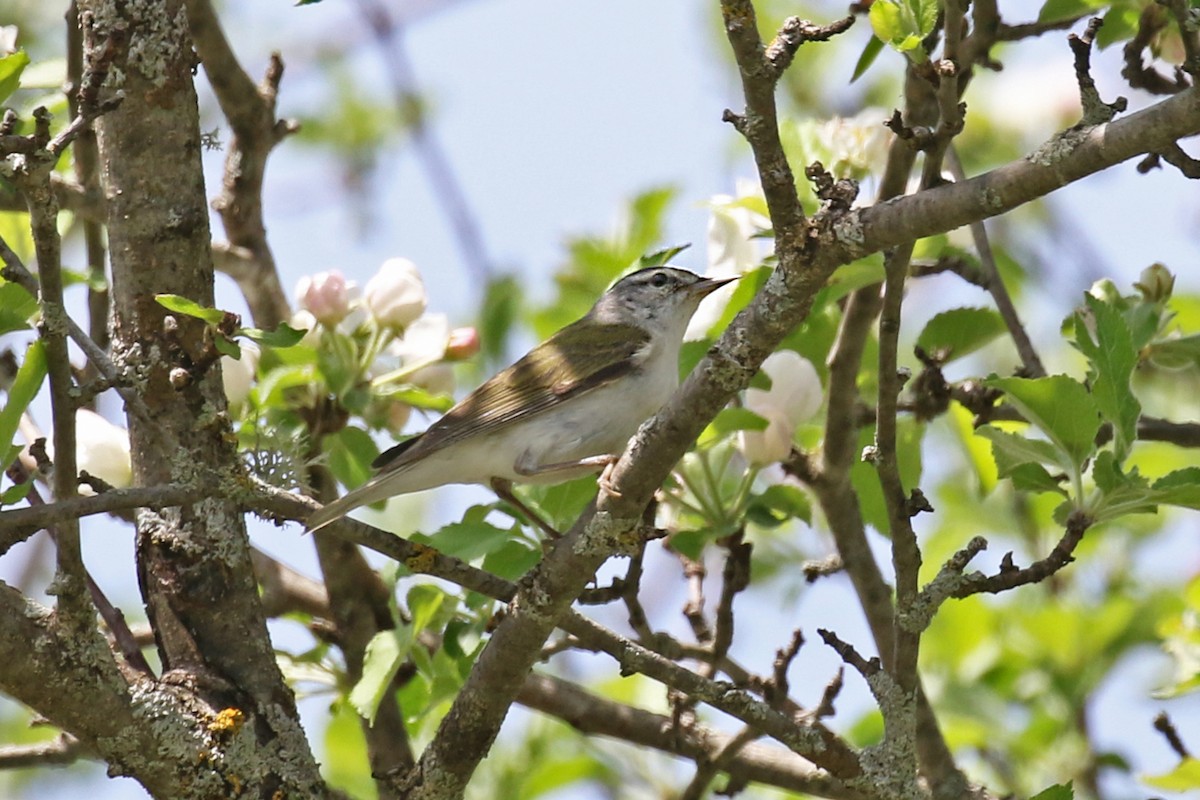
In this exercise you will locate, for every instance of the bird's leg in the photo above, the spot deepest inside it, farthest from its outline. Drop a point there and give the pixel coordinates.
(504, 491)
(525, 469)
(605, 479)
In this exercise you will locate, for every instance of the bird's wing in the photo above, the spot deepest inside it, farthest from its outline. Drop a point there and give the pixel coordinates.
(543, 378)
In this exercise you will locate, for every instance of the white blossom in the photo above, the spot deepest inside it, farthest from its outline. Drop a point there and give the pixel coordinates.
(732, 249)
(395, 296)
(794, 396)
(237, 374)
(101, 449)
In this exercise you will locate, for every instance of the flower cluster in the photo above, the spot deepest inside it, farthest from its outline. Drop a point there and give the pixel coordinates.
(372, 352)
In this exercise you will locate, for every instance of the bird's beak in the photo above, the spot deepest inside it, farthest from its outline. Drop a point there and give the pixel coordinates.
(707, 286)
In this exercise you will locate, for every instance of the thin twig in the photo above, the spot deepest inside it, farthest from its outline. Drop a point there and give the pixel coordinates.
(1010, 577)
(63, 750)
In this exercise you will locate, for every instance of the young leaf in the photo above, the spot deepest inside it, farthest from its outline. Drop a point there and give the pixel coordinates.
(1030, 477)
(1060, 791)
(18, 491)
(1179, 353)
(1011, 450)
(955, 333)
(189, 308)
(10, 72)
(731, 420)
(424, 602)
(24, 388)
(17, 306)
(1179, 488)
(385, 653)
(1061, 407)
(660, 257)
(1184, 777)
(351, 452)
(1121, 493)
(498, 314)
(1113, 358)
(227, 347)
(778, 504)
(284, 335)
(869, 54)
(472, 537)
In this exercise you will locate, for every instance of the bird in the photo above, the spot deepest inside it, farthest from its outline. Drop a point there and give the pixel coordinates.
(566, 409)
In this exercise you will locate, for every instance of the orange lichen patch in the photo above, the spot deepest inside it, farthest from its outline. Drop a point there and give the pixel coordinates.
(422, 560)
(227, 720)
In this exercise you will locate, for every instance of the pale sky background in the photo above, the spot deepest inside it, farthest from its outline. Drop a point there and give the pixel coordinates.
(552, 115)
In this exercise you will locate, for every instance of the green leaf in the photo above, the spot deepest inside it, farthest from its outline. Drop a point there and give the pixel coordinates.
(743, 292)
(24, 388)
(1121, 23)
(424, 602)
(386, 651)
(1059, 791)
(272, 387)
(190, 308)
(728, 421)
(1121, 493)
(351, 451)
(18, 491)
(11, 67)
(1061, 407)
(779, 504)
(849, 277)
(1113, 358)
(1058, 10)
(1179, 488)
(472, 537)
(561, 504)
(512, 559)
(955, 333)
(499, 312)
(867, 58)
(284, 335)
(662, 257)
(904, 24)
(1011, 450)
(227, 347)
(1180, 353)
(344, 763)
(1184, 777)
(1032, 477)
(17, 307)
(417, 397)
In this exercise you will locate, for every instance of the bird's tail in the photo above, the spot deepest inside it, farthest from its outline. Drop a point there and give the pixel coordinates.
(372, 491)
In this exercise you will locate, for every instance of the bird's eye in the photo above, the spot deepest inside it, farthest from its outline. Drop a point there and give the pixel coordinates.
(659, 280)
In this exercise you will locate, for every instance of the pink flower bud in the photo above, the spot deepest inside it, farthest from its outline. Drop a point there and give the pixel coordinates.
(325, 295)
(395, 296)
(464, 343)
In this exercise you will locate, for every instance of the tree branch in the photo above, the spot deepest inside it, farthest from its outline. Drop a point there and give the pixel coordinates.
(594, 715)
(250, 111)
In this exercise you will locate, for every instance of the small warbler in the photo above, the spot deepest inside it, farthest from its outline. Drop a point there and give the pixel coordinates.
(567, 408)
